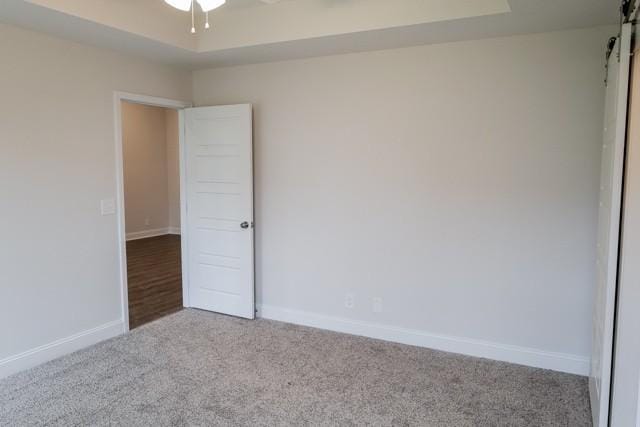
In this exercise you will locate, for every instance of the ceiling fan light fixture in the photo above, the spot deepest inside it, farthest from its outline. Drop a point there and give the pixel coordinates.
(209, 5)
(184, 5)
(190, 6)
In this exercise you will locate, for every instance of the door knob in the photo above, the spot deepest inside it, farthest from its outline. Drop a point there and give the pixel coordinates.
(244, 225)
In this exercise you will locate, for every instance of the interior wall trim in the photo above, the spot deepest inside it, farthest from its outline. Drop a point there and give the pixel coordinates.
(174, 230)
(562, 362)
(44, 353)
(136, 235)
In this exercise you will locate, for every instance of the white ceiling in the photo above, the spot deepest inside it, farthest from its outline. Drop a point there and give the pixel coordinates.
(250, 31)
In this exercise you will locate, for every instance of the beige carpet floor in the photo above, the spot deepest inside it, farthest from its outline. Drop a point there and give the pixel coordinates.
(198, 368)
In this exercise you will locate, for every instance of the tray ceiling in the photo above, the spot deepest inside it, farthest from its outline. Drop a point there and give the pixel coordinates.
(247, 31)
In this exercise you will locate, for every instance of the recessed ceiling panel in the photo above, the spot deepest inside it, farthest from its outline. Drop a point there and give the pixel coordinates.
(251, 31)
(290, 20)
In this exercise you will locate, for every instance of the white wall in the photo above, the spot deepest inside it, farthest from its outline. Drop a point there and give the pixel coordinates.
(457, 182)
(59, 256)
(145, 169)
(151, 170)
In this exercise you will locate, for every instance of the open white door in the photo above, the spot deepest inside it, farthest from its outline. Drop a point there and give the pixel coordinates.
(609, 226)
(219, 208)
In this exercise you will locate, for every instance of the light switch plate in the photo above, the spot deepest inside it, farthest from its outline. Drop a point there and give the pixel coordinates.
(107, 206)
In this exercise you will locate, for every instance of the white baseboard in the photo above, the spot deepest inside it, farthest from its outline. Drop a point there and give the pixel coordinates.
(174, 230)
(562, 362)
(36, 356)
(503, 352)
(144, 234)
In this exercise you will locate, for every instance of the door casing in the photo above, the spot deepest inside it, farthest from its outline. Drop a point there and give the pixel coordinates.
(118, 97)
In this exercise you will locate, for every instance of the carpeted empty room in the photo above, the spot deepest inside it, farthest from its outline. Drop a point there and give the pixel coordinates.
(200, 368)
(319, 213)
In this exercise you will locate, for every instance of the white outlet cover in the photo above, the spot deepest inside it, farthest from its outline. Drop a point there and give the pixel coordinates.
(377, 305)
(107, 206)
(349, 300)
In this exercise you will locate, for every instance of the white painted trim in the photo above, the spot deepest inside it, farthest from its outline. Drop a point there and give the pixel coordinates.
(36, 356)
(118, 97)
(174, 230)
(137, 235)
(562, 362)
(153, 101)
(182, 160)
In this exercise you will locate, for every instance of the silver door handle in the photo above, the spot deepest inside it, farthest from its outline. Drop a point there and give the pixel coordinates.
(244, 225)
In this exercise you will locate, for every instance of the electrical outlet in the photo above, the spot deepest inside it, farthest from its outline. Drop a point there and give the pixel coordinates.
(349, 301)
(147, 221)
(377, 305)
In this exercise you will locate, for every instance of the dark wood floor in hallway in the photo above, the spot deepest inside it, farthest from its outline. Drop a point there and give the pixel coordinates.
(154, 278)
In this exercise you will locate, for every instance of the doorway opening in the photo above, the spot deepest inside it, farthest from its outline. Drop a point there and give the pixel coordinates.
(148, 146)
(152, 211)
(214, 250)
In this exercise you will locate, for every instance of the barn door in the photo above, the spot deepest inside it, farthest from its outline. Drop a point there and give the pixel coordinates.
(613, 150)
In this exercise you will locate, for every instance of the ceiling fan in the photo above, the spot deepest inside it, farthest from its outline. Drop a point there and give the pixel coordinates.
(206, 6)
(190, 5)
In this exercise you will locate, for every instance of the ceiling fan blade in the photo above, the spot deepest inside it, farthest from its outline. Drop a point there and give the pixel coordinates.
(184, 5)
(209, 5)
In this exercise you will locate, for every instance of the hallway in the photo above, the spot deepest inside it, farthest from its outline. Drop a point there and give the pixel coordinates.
(154, 278)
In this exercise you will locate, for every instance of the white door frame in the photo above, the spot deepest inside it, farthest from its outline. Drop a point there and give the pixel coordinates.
(118, 97)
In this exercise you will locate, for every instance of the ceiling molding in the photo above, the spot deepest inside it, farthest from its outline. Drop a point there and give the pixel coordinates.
(249, 31)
